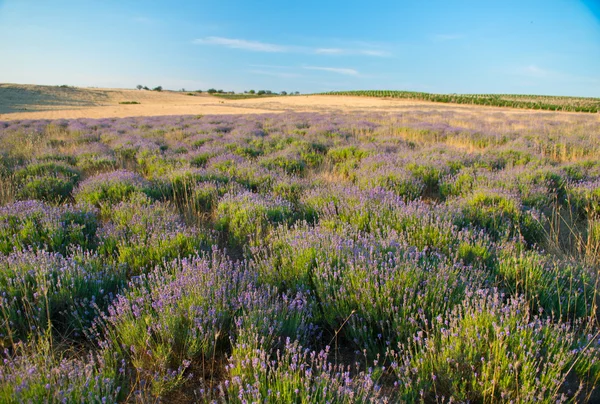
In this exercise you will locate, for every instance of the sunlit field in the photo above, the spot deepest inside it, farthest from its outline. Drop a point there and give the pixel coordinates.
(425, 256)
(540, 102)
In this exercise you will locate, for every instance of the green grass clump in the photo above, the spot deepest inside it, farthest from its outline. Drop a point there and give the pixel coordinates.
(191, 310)
(489, 350)
(247, 217)
(295, 375)
(346, 159)
(111, 188)
(558, 289)
(380, 292)
(49, 181)
(36, 373)
(36, 225)
(501, 216)
(46, 292)
(143, 234)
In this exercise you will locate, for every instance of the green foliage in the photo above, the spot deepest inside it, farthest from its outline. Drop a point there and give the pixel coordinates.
(45, 227)
(144, 234)
(573, 104)
(248, 218)
(292, 165)
(111, 188)
(92, 164)
(35, 373)
(43, 291)
(488, 351)
(501, 216)
(49, 181)
(560, 289)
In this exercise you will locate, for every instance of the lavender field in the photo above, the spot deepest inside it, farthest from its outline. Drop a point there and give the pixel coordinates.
(439, 256)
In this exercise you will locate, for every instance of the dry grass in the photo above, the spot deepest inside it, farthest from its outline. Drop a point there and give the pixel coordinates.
(52, 102)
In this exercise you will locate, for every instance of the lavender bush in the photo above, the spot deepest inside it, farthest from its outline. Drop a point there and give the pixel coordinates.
(34, 224)
(426, 256)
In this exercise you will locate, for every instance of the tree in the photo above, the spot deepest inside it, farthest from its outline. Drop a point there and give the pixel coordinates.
(211, 91)
(139, 86)
(159, 88)
(261, 92)
(199, 91)
(252, 92)
(283, 93)
(146, 88)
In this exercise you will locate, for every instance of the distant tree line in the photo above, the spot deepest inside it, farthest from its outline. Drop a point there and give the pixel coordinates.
(524, 101)
(215, 91)
(141, 87)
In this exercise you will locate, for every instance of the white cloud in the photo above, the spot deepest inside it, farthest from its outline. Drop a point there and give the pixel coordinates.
(255, 46)
(329, 51)
(276, 74)
(340, 51)
(378, 53)
(271, 66)
(535, 71)
(338, 70)
(447, 37)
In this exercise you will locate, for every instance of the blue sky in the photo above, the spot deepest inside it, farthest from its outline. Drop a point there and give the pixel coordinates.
(480, 46)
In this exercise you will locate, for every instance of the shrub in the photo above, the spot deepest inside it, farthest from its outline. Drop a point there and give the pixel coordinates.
(185, 312)
(295, 374)
(110, 188)
(486, 350)
(36, 374)
(585, 198)
(379, 290)
(48, 181)
(142, 234)
(501, 215)
(395, 179)
(36, 225)
(92, 164)
(44, 291)
(558, 289)
(346, 159)
(291, 164)
(247, 217)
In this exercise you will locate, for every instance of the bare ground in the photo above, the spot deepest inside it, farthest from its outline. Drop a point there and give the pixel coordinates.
(19, 101)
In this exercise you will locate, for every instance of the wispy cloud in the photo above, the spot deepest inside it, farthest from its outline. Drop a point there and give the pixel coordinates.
(272, 66)
(282, 75)
(378, 53)
(535, 72)
(329, 51)
(338, 70)
(340, 51)
(255, 46)
(538, 72)
(447, 37)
